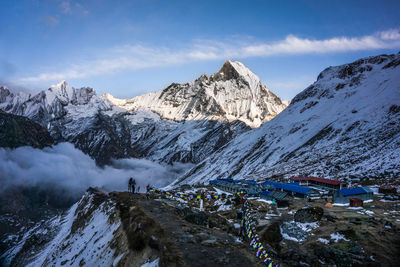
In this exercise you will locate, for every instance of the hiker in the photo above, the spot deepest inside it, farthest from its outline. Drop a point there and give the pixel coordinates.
(148, 191)
(130, 184)
(138, 189)
(133, 185)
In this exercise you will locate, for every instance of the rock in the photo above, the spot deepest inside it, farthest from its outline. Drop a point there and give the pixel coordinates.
(202, 236)
(210, 243)
(333, 256)
(272, 235)
(311, 214)
(199, 218)
(292, 230)
(292, 257)
(216, 221)
(330, 218)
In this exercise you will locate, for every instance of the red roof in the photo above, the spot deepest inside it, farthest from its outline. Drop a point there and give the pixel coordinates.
(316, 179)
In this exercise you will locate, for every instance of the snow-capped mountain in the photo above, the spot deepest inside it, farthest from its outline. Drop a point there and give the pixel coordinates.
(91, 227)
(182, 123)
(345, 123)
(233, 93)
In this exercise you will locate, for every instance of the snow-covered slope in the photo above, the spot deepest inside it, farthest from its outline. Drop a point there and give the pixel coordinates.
(233, 93)
(90, 233)
(346, 123)
(182, 123)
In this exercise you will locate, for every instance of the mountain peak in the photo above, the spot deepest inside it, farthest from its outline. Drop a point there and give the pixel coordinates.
(234, 70)
(61, 84)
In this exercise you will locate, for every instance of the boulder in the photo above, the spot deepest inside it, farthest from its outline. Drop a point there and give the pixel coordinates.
(195, 217)
(310, 214)
(272, 235)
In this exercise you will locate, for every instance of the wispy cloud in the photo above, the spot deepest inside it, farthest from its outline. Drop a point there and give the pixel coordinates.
(71, 7)
(51, 21)
(134, 57)
(65, 7)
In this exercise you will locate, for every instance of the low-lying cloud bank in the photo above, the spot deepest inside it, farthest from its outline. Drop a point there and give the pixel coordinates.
(64, 166)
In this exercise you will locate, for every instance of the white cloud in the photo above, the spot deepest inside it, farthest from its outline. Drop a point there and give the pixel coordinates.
(66, 167)
(70, 7)
(51, 21)
(65, 7)
(134, 57)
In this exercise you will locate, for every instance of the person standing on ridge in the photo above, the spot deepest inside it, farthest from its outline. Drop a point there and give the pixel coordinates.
(133, 185)
(130, 184)
(148, 187)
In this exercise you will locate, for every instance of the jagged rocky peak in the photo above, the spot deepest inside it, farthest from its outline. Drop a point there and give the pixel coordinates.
(234, 70)
(232, 93)
(67, 94)
(4, 93)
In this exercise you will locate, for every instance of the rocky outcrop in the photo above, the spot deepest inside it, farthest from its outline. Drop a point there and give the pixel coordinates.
(16, 131)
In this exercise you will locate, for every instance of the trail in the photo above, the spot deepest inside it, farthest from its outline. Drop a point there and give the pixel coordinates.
(198, 245)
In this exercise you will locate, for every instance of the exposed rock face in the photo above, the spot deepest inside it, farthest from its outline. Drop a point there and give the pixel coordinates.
(183, 122)
(18, 131)
(345, 124)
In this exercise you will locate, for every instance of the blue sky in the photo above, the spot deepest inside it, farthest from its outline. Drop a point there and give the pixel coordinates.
(129, 48)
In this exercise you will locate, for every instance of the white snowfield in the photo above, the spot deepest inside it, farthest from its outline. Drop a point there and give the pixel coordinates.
(347, 122)
(90, 246)
(73, 243)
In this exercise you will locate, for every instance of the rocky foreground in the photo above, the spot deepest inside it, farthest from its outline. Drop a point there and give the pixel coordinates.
(122, 229)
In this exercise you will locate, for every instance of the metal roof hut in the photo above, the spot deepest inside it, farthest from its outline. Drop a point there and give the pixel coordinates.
(295, 190)
(267, 186)
(279, 196)
(356, 202)
(226, 184)
(343, 196)
(250, 187)
(316, 181)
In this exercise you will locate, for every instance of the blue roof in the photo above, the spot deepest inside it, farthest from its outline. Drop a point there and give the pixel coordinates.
(265, 193)
(274, 194)
(355, 191)
(289, 187)
(275, 184)
(296, 188)
(229, 180)
(250, 182)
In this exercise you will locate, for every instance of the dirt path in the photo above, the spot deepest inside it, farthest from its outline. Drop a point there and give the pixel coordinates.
(199, 245)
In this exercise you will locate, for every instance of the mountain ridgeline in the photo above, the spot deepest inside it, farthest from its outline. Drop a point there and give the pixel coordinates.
(346, 124)
(182, 123)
